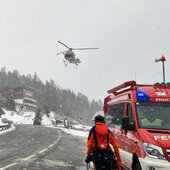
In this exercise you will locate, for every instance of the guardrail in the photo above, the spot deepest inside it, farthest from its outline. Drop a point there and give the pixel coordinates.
(3, 127)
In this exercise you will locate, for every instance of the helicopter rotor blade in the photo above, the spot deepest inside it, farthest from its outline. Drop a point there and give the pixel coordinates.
(61, 53)
(85, 48)
(63, 44)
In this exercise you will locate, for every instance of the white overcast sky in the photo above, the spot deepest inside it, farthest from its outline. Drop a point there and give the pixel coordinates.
(131, 34)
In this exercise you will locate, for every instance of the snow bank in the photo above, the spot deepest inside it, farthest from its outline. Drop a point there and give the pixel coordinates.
(46, 120)
(13, 116)
(74, 132)
(27, 117)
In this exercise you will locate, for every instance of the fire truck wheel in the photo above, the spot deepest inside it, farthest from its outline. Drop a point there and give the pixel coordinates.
(137, 166)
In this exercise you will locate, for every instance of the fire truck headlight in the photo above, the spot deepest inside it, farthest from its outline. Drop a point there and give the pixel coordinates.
(153, 151)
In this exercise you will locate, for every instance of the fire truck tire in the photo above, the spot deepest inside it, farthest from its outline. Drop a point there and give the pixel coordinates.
(137, 166)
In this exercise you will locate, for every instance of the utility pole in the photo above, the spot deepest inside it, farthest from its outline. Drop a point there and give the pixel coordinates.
(163, 66)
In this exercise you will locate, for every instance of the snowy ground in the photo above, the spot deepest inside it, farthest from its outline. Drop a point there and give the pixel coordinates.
(28, 118)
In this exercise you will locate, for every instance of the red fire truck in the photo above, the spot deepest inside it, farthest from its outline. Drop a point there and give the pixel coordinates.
(139, 118)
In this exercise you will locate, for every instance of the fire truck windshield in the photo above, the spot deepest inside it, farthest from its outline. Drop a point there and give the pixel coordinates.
(153, 115)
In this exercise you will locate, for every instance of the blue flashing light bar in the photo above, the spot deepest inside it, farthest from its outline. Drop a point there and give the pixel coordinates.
(142, 96)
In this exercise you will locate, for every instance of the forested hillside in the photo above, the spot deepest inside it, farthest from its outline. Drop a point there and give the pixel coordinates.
(52, 97)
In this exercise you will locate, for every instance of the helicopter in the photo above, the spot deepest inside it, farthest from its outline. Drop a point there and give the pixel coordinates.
(69, 55)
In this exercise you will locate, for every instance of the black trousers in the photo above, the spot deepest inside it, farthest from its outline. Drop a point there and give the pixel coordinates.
(103, 159)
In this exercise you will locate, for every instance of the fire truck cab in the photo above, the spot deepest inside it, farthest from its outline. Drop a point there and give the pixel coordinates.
(139, 118)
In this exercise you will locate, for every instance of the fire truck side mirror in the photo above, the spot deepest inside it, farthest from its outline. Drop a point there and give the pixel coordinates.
(125, 124)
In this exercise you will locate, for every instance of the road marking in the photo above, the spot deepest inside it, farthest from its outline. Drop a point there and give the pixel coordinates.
(8, 166)
(43, 150)
(51, 146)
(31, 156)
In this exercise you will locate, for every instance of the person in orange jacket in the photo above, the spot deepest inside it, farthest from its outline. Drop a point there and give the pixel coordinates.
(98, 146)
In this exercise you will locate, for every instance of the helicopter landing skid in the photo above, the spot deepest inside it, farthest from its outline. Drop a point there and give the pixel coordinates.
(65, 63)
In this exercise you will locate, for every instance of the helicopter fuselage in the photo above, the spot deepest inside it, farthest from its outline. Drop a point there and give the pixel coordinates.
(69, 56)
